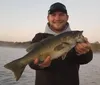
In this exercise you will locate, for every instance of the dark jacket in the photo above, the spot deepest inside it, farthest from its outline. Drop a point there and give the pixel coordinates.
(60, 72)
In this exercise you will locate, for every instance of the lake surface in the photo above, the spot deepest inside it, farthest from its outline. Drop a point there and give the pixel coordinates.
(89, 73)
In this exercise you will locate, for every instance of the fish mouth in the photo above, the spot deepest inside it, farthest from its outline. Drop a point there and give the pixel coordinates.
(81, 39)
(80, 33)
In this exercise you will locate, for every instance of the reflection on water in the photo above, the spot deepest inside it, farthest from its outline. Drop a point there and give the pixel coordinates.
(89, 74)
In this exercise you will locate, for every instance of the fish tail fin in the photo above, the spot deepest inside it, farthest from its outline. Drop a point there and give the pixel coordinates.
(16, 67)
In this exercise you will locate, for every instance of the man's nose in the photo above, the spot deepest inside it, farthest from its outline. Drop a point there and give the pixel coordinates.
(57, 17)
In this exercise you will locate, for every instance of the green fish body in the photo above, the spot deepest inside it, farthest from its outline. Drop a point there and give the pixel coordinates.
(54, 46)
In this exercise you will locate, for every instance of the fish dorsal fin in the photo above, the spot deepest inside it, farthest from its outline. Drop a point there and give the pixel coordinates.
(30, 48)
(61, 46)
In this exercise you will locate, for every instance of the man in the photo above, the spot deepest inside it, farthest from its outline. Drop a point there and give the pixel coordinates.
(58, 71)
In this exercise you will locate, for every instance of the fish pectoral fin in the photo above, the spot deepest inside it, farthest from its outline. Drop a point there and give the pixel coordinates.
(61, 46)
(64, 56)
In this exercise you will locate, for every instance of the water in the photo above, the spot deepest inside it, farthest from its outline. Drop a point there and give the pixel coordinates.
(89, 74)
(6, 76)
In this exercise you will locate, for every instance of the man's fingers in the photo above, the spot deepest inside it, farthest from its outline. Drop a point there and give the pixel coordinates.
(46, 62)
(36, 61)
(82, 48)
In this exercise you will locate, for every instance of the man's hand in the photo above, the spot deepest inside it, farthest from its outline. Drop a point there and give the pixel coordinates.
(82, 48)
(46, 62)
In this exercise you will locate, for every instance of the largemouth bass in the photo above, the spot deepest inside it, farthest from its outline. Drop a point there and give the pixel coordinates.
(54, 46)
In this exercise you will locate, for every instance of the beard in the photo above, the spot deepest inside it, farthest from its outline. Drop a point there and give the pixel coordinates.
(58, 25)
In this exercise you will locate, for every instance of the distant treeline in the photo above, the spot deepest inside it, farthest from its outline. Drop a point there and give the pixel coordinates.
(95, 46)
(15, 44)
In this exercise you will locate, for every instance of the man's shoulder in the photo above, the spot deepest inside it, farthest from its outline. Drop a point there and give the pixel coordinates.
(45, 34)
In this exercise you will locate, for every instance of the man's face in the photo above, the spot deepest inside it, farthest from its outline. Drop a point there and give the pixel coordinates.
(57, 20)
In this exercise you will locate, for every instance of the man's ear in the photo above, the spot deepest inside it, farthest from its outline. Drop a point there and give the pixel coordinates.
(67, 17)
(48, 17)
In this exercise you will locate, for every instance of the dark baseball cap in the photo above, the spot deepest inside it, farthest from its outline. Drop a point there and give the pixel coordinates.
(57, 7)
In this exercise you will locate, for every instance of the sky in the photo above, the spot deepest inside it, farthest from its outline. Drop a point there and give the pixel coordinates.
(20, 20)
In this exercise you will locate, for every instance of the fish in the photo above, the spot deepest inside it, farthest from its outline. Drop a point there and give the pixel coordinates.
(54, 46)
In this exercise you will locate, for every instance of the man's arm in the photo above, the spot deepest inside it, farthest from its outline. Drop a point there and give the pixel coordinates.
(82, 58)
(83, 53)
